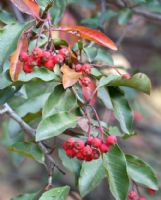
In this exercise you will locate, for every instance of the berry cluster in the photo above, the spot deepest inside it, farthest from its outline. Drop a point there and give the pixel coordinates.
(40, 57)
(89, 150)
(132, 195)
(86, 68)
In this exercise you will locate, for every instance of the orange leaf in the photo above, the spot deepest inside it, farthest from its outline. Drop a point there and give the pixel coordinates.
(15, 64)
(29, 7)
(87, 92)
(70, 76)
(89, 34)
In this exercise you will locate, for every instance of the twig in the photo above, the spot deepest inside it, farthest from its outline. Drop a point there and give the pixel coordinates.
(29, 131)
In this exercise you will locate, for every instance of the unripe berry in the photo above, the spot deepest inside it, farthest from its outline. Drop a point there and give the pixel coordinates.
(86, 68)
(58, 59)
(68, 144)
(78, 68)
(27, 68)
(85, 81)
(64, 52)
(70, 153)
(49, 64)
(79, 144)
(132, 195)
(24, 56)
(96, 154)
(111, 140)
(37, 52)
(141, 198)
(151, 191)
(104, 148)
(96, 142)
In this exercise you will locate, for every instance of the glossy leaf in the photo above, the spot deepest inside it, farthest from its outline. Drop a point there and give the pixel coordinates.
(88, 92)
(15, 64)
(59, 193)
(55, 125)
(38, 73)
(28, 149)
(9, 37)
(6, 17)
(70, 76)
(73, 165)
(141, 172)
(91, 175)
(122, 110)
(115, 169)
(29, 7)
(4, 81)
(89, 34)
(32, 196)
(138, 81)
(60, 100)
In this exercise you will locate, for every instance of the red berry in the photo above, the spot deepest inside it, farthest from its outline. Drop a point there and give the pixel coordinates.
(58, 59)
(79, 155)
(104, 148)
(87, 151)
(27, 68)
(64, 52)
(110, 140)
(88, 158)
(141, 198)
(78, 68)
(96, 142)
(79, 144)
(132, 195)
(35, 61)
(45, 56)
(70, 153)
(89, 140)
(127, 76)
(85, 81)
(24, 57)
(151, 191)
(37, 52)
(68, 144)
(86, 68)
(49, 64)
(96, 154)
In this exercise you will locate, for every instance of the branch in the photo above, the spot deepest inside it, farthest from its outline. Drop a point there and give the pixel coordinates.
(31, 132)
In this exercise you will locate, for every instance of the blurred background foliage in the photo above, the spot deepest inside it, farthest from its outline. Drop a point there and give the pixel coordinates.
(135, 26)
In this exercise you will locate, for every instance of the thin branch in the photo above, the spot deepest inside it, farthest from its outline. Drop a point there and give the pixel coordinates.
(31, 132)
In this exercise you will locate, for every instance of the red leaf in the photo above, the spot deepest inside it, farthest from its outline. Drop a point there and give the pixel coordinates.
(29, 7)
(89, 34)
(87, 92)
(15, 64)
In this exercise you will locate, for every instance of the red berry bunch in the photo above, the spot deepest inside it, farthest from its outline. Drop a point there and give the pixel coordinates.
(132, 195)
(86, 68)
(90, 149)
(40, 57)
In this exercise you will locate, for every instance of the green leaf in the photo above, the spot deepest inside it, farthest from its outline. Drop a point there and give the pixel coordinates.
(121, 109)
(55, 125)
(9, 37)
(141, 172)
(60, 100)
(73, 165)
(104, 57)
(113, 130)
(28, 149)
(90, 53)
(124, 16)
(32, 196)
(138, 81)
(115, 169)
(90, 176)
(4, 81)
(6, 17)
(59, 193)
(38, 73)
(103, 95)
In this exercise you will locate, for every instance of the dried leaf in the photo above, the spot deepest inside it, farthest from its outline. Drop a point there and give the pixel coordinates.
(89, 34)
(15, 64)
(29, 7)
(70, 76)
